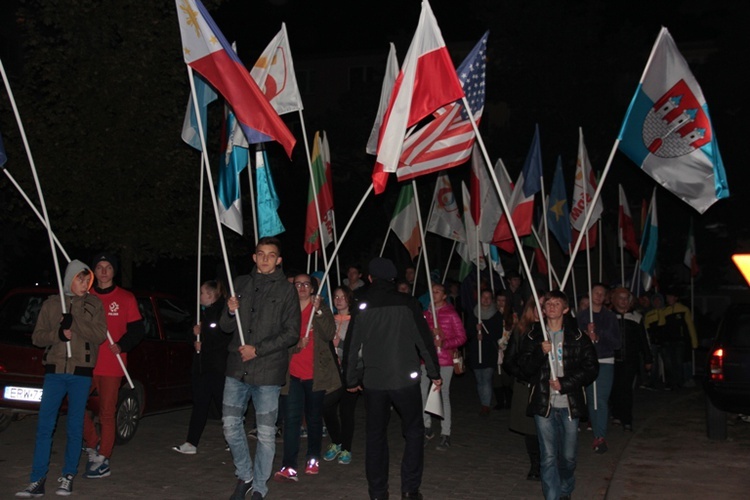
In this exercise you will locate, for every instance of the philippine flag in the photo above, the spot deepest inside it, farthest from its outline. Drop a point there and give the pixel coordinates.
(207, 51)
(667, 130)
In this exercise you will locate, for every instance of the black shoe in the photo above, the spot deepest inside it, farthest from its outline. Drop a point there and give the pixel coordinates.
(414, 495)
(33, 490)
(533, 474)
(256, 496)
(241, 490)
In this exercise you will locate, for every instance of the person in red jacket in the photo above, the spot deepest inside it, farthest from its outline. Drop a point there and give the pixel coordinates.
(125, 326)
(449, 335)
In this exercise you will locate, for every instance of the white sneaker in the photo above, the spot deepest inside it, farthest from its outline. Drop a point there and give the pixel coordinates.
(186, 449)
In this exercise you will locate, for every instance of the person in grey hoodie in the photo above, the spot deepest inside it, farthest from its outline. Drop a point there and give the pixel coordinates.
(258, 362)
(83, 327)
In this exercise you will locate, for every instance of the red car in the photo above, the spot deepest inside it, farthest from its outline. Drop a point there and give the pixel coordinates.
(160, 366)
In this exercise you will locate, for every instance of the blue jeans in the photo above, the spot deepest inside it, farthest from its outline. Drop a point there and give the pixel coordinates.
(56, 386)
(484, 385)
(558, 444)
(599, 417)
(302, 399)
(266, 401)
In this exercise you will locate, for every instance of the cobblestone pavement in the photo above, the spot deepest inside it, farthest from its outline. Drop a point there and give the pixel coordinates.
(668, 456)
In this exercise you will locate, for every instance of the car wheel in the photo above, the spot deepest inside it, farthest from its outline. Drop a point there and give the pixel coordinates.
(716, 421)
(5, 420)
(127, 415)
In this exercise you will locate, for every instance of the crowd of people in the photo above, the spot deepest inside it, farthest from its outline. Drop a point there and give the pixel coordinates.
(303, 359)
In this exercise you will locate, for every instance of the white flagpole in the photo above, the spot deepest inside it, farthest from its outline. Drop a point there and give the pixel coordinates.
(450, 257)
(50, 234)
(416, 272)
(385, 240)
(426, 260)
(207, 166)
(317, 207)
(512, 226)
(335, 239)
(479, 290)
(575, 292)
(622, 250)
(552, 273)
(67, 258)
(609, 163)
(546, 234)
(200, 248)
(250, 174)
(33, 207)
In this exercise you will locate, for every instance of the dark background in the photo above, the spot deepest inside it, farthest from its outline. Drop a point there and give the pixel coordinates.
(101, 88)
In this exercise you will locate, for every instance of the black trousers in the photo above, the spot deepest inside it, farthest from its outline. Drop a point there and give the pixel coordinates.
(621, 398)
(408, 403)
(206, 387)
(338, 413)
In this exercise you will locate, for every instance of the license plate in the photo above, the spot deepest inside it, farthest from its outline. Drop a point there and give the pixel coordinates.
(23, 394)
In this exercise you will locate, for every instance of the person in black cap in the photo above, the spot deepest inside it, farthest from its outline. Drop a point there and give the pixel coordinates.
(514, 292)
(391, 334)
(125, 325)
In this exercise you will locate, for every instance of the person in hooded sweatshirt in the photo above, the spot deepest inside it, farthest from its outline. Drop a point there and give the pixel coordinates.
(71, 345)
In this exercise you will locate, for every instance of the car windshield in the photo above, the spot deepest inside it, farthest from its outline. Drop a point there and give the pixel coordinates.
(18, 316)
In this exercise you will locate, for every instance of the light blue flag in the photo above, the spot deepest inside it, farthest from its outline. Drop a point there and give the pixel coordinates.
(649, 245)
(233, 161)
(558, 213)
(269, 223)
(205, 95)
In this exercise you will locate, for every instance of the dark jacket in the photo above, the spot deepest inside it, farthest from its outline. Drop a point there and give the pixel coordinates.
(89, 329)
(633, 340)
(214, 342)
(494, 326)
(392, 333)
(270, 316)
(580, 368)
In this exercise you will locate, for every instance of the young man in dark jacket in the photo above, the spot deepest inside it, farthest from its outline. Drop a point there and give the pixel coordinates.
(559, 368)
(392, 335)
(258, 362)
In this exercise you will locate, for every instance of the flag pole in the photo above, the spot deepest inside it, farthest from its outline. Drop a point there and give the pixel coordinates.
(200, 247)
(250, 173)
(450, 257)
(50, 234)
(552, 273)
(314, 189)
(620, 243)
(385, 240)
(335, 239)
(67, 258)
(426, 260)
(479, 288)
(33, 207)
(611, 157)
(575, 292)
(204, 153)
(512, 226)
(601, 244)
(545, 203)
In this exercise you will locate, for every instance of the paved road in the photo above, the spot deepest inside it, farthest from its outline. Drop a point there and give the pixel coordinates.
(667, 457)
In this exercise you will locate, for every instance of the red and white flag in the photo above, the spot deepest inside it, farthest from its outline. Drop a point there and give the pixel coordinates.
(274, 74)
(445, 217)
(426, 82)
(446, 141)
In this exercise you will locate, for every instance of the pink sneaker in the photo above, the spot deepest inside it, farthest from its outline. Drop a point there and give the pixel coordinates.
(313, 466)
(286, 475)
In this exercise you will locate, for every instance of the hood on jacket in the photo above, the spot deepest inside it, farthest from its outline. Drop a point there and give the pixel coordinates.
(75, 267)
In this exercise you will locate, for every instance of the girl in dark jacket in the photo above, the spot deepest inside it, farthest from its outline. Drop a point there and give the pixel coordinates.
(209, 363)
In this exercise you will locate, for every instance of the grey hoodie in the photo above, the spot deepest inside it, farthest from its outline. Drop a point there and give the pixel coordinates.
(75, 267)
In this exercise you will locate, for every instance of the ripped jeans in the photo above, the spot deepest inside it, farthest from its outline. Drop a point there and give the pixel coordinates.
(266, 402)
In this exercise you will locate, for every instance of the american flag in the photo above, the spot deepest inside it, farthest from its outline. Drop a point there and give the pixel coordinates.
(446, 141)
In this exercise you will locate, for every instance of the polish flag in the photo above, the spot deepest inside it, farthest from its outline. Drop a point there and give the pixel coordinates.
(426, 82)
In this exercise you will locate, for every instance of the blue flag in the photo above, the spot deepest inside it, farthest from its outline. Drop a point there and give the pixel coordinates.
(269, 223)
(649, 245)
(205, 95)
(233, 161)
(558, 214)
